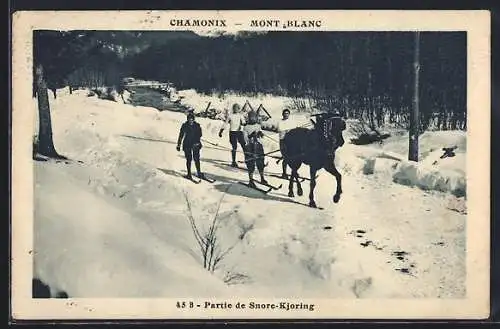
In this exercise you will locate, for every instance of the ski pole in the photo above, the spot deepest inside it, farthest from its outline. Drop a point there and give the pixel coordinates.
(265, 154)
(214, 144)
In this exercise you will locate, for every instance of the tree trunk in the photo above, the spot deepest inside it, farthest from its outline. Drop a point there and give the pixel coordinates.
(445, 111)
(369, 100)
(45, 144)
(414, 114)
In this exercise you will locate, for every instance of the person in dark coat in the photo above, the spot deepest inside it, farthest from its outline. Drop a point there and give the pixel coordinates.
(190, 136)
(254, 150)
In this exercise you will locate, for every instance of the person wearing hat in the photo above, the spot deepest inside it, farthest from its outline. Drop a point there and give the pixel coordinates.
(254, 150)
(190, 136)
(235, 120)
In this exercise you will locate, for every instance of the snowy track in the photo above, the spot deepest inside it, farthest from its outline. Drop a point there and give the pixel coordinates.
(122, 219)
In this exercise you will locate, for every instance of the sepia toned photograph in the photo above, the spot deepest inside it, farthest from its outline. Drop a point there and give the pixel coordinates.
(236, 167)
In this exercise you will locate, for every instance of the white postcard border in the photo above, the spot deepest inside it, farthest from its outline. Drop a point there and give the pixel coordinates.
(475, 23)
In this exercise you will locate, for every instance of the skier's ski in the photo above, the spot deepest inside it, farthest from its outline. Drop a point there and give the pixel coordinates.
(265, 164)
(306, 205)
(256, 188)
(60, 159)
(192, 179)
(292, 201)
(234, 167)
(270, 185)
(68, 161)
(243, 167)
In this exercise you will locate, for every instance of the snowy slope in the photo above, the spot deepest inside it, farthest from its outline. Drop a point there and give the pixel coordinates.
(116, 225)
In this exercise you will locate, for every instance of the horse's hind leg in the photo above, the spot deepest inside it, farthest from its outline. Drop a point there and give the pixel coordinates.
(299, 186)
(290, 186)
(333, 170)
(290, 182)
(312, 185)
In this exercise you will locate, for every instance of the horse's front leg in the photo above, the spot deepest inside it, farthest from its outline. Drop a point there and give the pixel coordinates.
(312, 174)
(299, 186)
(333, 170)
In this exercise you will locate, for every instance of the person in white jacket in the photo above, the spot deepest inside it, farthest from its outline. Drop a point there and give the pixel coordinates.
(236, 121)
(284, 125)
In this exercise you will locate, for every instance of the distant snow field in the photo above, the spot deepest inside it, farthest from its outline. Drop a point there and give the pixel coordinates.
(117, 225)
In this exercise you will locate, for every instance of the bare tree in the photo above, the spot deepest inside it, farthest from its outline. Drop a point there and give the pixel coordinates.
(45, 143)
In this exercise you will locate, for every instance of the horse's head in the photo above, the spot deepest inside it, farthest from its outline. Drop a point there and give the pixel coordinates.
(330, 129)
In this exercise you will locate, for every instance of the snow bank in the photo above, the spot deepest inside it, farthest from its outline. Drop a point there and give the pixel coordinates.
(428, 142)
(429, 178)
(87, 246)
(389, 161)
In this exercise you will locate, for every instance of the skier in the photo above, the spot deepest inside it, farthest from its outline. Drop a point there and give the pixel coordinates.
(191, 145)
(235, 120)
(254, 151)
(284, 125)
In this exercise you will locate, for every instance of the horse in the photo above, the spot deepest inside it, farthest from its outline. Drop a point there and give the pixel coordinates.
(316, 148)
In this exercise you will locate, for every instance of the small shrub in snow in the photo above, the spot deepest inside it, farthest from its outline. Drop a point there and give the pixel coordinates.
(208, 241)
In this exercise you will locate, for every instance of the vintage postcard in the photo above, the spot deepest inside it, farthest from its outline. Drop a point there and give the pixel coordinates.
(250, 164)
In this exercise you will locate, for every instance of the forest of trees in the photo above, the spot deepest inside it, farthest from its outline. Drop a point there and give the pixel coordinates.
(363, 74)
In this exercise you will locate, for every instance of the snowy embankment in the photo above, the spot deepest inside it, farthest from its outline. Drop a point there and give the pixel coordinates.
(389, 161)
(431, 174)
(116, 225)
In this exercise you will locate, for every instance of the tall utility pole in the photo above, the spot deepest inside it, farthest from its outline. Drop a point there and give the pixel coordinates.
(414, 114)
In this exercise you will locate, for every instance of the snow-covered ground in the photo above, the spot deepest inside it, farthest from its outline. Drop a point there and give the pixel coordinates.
(116, 225)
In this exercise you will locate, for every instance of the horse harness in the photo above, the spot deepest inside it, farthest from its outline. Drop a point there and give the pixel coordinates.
(330, 129)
